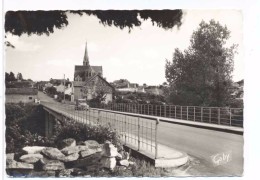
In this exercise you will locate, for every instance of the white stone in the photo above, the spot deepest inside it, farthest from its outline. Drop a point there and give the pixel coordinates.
(12, 164)
(33, 149)
(72, 150)
(70, 142)
(109, 150)
(53, 153)
(92, 144)
(124, 162)
(71, 157)
(31, 158)
(53, 165)
(108, 162)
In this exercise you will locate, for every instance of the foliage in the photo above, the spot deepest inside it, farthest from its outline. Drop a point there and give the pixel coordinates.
(51, 90)
(72, 129)
(98, 99)
(44, 22)
(24, 126)
(138, 98)
(9, 77)
(201, 74)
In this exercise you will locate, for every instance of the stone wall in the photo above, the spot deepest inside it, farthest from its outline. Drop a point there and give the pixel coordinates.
(71, 159)
(16, 98)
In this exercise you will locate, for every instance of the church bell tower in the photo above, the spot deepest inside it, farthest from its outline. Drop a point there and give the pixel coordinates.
(86, 60)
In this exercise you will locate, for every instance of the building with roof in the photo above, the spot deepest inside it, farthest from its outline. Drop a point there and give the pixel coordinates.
(16, 95)
(89, 81)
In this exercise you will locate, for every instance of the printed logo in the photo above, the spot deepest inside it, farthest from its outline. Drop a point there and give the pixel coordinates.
(221, 158)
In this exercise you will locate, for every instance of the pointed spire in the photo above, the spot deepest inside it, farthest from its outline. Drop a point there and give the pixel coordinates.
(86, 60)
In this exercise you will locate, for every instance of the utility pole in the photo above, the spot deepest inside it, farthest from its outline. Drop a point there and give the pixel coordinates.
(64, 90)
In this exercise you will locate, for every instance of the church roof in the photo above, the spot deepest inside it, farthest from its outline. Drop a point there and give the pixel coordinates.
(90, 79)
(97, 69)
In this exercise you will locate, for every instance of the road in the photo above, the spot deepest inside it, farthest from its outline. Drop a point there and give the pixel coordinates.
(201, 144)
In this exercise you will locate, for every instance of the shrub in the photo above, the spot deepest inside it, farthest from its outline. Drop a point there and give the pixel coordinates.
(24, 126)
(72, 129)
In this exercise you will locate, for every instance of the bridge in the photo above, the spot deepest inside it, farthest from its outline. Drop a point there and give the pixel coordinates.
(165, 139)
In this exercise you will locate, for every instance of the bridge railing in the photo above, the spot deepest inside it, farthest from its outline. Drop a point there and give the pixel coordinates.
(137, 131)
(214, 115)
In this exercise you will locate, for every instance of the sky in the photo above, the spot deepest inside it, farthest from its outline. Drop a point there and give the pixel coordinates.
(138, 56)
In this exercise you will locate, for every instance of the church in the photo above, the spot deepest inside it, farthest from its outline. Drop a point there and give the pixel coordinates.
(89, 81)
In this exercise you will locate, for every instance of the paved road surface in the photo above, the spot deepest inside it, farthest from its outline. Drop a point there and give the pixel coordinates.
(201, 144)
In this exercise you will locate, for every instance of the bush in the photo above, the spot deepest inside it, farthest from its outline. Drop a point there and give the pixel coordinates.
(72, 129)
(24, 126)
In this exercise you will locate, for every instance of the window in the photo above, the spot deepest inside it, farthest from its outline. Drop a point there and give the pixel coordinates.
(30, 97)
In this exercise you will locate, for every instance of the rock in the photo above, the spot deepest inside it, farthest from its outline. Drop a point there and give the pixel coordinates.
(31, 158)
(71, 157)
(89, 152)
(72, 150)
(126, 155)
(131, 163)
(92, 144)
(12, 164)
(33, 149)
(109, 150)
(87, 161)
(79, 173)
(65, 172)
(53, 153)
(52, 165)
(119, 156)
(108, 162)
(41, 174)
(70, 142)
(124, 162)
(10, 156)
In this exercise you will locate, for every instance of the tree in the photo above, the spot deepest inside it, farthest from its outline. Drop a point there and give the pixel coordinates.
(44, 22)
(19, 76)
(201, 74)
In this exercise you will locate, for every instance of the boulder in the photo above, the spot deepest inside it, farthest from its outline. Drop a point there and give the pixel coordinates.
(65, 172)
(53, 153)
(33, 149)
(92, 144)
(131, 163)
(70, 142)
(35, 174)
(12, 164)
(124, 162)
(119, 156)
(31, 158)
(71, 157)
(75, 149)
(10, 156)
(87, 161)
(109, 150)
(108, 162)
(89, 152)
(52, 165)
(80, 173)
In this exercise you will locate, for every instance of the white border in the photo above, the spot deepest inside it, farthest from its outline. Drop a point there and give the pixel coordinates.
(251, 43)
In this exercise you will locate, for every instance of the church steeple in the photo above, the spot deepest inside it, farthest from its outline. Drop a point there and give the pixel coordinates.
(86, 60)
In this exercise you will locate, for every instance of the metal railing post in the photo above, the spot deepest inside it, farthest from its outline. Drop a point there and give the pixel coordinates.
(194, 118)
(201, 114)
(187, 112)
(98, 118)
(138, 134)
(156, 138)
(210, 115)
(230, 117)
(218, 115)
(181, 112)
(175, 111)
